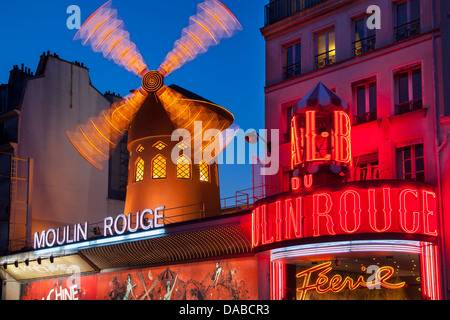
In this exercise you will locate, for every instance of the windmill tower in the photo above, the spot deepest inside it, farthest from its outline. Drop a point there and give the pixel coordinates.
(161, 172)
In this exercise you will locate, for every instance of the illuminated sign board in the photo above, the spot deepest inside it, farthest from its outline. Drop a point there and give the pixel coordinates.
(321, 137)
(377, 206)
(141, 221)
(337, 283)
(66, 265)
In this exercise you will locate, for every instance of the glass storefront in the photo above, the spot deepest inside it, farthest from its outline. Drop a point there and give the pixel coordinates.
(352, 270)
(374, 276)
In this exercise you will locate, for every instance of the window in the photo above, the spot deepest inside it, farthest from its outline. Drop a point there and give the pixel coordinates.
(204, 171)
(365, 101)
(407, 19)
(364, 38)
(159, 145)
(183, 168)
(293, 58)
(159, 164)
(288, 111)
(409, 90)
(367, 171)
(182, 145)
(289, 115)
(139, 172)
(312, 278)
(366, 167)
(325, 48)
(410, 163)
(140, 148)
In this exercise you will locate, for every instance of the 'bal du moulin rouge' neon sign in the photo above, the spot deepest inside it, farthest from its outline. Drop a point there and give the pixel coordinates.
(382, 206)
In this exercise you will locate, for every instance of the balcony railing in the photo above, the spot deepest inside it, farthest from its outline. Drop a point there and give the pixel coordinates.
(364, 45)
(292, 70)
(280, 9)
(366, 117)
(409, 106)
(325, 59)
(407, 30)
(242, 201)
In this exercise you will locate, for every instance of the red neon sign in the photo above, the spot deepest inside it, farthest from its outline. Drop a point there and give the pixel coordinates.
(336, 284)
(330, 143)
(361, 207)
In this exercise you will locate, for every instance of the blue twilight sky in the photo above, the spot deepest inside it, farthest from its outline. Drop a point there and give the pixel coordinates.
(230, 74)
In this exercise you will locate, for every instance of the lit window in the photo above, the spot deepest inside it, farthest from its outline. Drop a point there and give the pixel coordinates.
(326, 48)
(204, 171)
(140, 149)
(159, 170)
(139, 176)
(182, 145)
(183, 168)
(159, 145)
(365, 38)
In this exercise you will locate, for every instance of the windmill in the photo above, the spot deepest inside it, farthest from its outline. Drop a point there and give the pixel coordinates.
(167, 107)
(104, 31)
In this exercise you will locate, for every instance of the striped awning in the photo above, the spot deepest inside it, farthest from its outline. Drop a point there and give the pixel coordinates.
(184, 246)
(320, 98)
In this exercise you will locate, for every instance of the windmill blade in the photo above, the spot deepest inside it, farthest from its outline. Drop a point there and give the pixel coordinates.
(105, 32)
(98, 137)
(207, 28)
(184, 112)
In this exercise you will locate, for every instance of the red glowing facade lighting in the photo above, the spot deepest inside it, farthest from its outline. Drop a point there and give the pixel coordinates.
(399, 207)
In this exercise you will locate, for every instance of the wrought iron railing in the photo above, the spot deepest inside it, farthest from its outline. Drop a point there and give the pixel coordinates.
(366, 117)
(364, 45)
(292, 70)
(280, 9)
(407, 30)
(325, 59)
(242, 200)
(409, 106)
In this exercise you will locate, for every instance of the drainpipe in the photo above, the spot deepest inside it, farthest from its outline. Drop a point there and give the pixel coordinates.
(439, 149)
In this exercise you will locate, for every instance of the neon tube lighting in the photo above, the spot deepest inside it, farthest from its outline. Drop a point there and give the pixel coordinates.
(101, 242)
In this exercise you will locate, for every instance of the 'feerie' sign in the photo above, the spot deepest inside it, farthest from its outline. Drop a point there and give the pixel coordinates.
(141, 221)
(383, 206)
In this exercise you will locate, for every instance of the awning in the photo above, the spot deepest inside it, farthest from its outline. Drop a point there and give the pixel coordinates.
(207, 241)
(320, 98)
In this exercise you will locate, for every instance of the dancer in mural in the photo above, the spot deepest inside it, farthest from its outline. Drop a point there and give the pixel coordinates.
(170, 287)
(130, 287)
(216, 275)
(116, 290)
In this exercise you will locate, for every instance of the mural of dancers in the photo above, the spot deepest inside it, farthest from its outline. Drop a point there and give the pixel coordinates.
(225, 279)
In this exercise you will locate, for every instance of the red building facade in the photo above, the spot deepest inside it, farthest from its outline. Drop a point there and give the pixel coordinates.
(392, 76)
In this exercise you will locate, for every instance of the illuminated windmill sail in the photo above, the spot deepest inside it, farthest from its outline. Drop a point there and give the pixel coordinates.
(105, 32)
